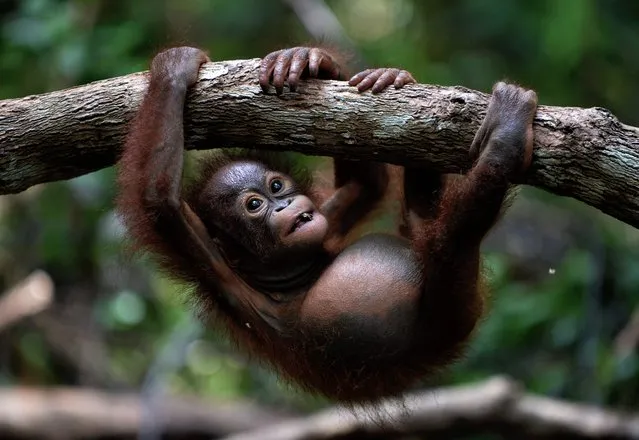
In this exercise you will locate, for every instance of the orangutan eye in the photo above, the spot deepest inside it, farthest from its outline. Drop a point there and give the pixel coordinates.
(276, 186)
(253, 204)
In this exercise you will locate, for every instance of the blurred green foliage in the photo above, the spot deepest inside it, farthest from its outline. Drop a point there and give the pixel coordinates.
(556, 313)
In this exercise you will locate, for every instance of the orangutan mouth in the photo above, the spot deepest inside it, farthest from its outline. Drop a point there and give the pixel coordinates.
(303, 218)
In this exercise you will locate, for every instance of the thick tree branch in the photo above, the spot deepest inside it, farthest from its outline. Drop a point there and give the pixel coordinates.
(495, 406)
(584, 153)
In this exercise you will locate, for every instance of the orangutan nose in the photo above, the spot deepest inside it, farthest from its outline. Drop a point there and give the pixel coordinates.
(281, 204)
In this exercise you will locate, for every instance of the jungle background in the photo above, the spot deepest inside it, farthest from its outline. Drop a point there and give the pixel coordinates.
(564, 318)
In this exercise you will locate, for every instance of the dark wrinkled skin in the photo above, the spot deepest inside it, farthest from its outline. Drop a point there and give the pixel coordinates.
(354, 321)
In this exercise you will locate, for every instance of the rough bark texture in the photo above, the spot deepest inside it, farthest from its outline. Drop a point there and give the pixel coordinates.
(583, 153)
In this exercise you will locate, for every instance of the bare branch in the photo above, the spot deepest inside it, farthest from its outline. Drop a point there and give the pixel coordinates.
(28, 298)
(66, 413)
(495, 406)
(627, 340)
(319, 21)
(584, 153)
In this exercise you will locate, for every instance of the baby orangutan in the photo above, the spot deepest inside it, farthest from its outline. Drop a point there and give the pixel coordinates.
(351, 321)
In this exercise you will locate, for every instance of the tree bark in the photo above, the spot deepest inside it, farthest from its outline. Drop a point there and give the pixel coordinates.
(583, 153)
